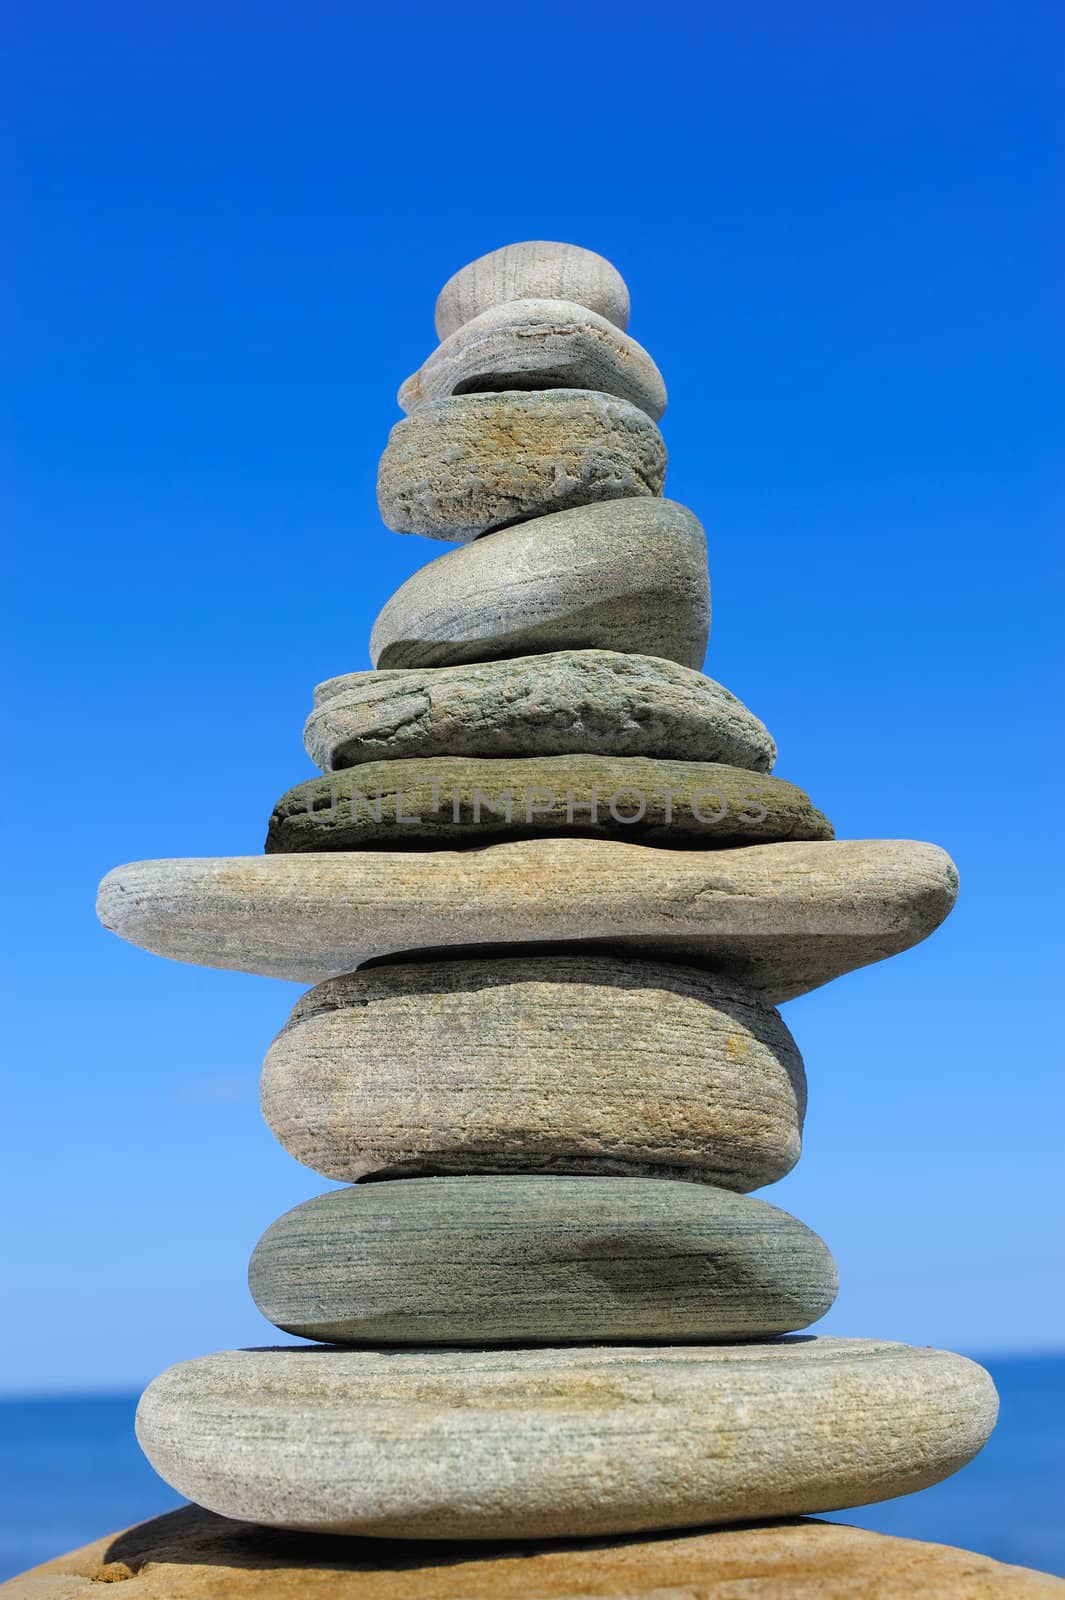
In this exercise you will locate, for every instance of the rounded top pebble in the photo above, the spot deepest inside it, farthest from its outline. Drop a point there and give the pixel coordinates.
(535, 269)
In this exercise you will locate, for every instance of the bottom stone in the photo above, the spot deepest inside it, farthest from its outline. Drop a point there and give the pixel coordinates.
(489, 1444)
(194, 1555)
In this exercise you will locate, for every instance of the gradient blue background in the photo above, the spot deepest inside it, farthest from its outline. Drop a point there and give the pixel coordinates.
(841, 230)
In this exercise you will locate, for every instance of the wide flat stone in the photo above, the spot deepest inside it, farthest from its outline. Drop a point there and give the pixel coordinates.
(429, 1444)
(534, 269)
(193, 1554)
(568, 702)
(783, 918)
(537, 1063)
(627, 576)
(444, 801)
(538, 344)
(526, 1260)
(457, 468)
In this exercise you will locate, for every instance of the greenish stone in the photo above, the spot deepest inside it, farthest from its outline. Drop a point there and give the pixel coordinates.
(449, 800)
(527, 1259)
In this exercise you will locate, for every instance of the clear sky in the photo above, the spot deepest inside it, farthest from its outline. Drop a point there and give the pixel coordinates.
(841, 229)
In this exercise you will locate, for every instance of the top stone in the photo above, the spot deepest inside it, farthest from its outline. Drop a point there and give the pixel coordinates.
(538, 269)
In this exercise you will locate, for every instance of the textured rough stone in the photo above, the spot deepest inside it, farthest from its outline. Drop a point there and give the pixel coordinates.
(526, 1260)
(473, 800)
(537, 1063)
(629, 576)
(458, 468)
(569, 702)
(539, 1443)
(193, 1554)
(538, 344)
(783, 918)
(535, 269)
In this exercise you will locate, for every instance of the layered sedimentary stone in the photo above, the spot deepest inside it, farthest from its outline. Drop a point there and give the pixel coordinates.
(538, 344)
(569, 702)
(629, 576)
(527, 1443)
(192, 1554)
(541, 1063)
(484, 1260)
(535, 269)
(783, 918)
(460, 467)
(473, 800)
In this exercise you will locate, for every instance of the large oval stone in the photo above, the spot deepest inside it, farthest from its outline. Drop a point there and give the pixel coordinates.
(535, 1260)
(446, 1444)
(534, 269)
(474, 800)
(563, 1063)
(628, 576)
(538, 344)
(458, 468)
(192, 1554)
(568, 702)
(783, 918)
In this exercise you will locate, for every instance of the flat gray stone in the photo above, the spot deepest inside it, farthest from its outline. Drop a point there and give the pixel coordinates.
(568, 702)
(534, 1260)
(567, 1063)
(628, 576)
(538, 344)
(443, 801)
(536, 269)
(783, 918)
(428, 1444)
(457, 468)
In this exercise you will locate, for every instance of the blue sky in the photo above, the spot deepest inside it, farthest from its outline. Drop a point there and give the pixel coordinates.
(841, 230)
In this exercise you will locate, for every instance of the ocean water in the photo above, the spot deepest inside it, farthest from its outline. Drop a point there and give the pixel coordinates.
(71, 1471)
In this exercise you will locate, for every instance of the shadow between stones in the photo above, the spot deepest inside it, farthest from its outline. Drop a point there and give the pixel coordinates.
(192, 1536)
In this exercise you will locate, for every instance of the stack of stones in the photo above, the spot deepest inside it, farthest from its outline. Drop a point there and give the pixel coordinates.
(550, 898)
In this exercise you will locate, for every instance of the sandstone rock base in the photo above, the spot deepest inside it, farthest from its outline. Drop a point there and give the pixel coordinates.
(195, 1555)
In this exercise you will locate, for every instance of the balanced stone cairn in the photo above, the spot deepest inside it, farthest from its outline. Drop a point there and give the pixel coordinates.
(549, 898)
